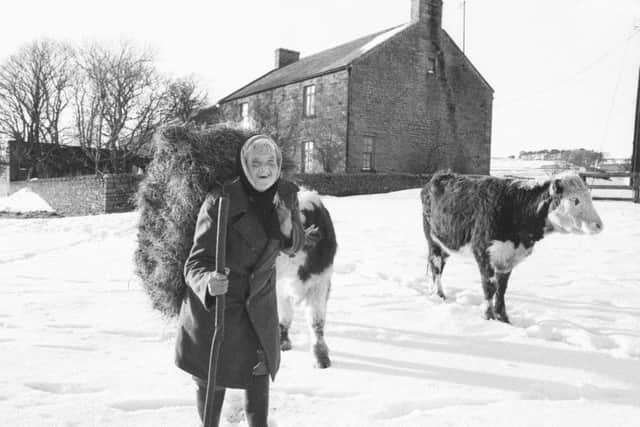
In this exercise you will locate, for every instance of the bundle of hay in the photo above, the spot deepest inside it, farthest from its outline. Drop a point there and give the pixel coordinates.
(187, 164)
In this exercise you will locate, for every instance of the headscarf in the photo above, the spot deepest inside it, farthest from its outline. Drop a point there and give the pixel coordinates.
(261, 200)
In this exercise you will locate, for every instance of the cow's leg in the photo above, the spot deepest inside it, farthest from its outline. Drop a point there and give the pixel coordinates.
(488, 277)
(499, 308)
(489, 288)
(437, 261)
(285, 314)
(434, 259)
(316, 310)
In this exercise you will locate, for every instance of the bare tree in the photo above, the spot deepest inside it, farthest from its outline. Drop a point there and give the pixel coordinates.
(120, 102)
(34, 88)
(89, 94)
(184, 99)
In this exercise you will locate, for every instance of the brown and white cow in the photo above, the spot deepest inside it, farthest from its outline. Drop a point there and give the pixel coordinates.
(306, 277)
(500, 220)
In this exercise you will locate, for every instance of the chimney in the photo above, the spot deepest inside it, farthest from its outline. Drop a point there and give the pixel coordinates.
(285, 57)
(427, 11)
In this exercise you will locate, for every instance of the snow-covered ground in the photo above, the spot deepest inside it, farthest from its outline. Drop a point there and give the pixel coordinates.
(80, 346)
(22, 201)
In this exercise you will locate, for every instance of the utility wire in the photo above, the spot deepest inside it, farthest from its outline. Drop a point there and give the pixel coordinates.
(615, 93)
(573, 77)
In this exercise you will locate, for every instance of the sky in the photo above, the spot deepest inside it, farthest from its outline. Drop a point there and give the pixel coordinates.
(565, 73)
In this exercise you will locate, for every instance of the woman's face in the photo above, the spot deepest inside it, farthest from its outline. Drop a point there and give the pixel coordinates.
(263, 167)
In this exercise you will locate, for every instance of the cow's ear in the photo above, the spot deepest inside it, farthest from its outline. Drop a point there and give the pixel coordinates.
(555, 187)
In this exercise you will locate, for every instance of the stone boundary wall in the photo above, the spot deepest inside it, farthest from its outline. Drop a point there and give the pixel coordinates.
(120, 191)
(85, 195)
(4, 178)
(92, 195)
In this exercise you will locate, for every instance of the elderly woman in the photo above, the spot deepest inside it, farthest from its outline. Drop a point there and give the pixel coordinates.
(259, 227)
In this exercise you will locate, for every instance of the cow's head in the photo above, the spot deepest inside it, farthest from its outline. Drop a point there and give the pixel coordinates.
(571, 209)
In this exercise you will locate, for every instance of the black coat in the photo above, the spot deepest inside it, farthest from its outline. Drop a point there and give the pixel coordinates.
(251, 316)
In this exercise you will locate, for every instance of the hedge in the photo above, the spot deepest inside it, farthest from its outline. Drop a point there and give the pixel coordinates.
(346, 184)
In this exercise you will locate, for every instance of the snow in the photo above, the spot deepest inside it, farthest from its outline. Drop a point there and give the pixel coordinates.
(24, 200)
(383, 37)
(80, 345)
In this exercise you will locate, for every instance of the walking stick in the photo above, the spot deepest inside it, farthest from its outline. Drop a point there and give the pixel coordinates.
(218, 334)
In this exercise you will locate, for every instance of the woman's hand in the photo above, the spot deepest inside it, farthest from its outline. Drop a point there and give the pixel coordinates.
(311, 236)
(218, 283)
(284, 217)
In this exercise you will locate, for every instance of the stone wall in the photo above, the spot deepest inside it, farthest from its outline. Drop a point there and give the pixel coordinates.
(120, 192)
(84, 195)
(4, 178)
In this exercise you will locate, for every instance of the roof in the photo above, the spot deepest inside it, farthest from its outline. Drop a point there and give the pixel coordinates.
(325, 62)
(329, 61)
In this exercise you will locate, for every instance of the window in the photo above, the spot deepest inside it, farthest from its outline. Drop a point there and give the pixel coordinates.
(368, 154)
(307, 156)
(244, 112)
(309, 101)
(431, 65)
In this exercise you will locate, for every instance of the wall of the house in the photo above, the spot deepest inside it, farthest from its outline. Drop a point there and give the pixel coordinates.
(285, 106)
(474, 105)
(420, 121)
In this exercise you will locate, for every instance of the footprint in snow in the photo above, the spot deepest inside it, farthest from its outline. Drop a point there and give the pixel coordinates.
(68, 347)
(344, 268)
(69, 326)
(469, 299)
(6, 325)
(405, 408)
(132, 405)
(314, 392)
(63, 388)
(129, 333)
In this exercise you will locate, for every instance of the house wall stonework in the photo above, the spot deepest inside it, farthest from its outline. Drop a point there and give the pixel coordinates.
(474, 104)
(423, 104)
(283, 107)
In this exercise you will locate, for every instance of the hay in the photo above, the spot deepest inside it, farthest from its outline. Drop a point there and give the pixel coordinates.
(187, 164)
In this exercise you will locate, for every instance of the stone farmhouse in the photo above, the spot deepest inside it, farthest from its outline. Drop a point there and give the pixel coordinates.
(402, 100)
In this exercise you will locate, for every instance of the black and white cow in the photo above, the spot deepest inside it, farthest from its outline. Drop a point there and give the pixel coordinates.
(306, 277)
(500, 220)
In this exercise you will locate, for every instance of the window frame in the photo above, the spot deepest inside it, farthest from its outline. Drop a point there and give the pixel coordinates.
(309, 100)
(368, 153)
(308, 148)
(431, 65)
(244, 119)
